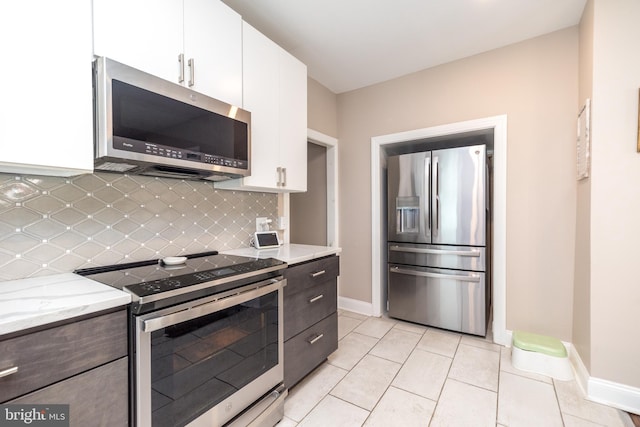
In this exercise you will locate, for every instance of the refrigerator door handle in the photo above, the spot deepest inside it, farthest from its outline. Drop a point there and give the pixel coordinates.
(437, 188)
(462, 278)
(469, 253)
(427, 177)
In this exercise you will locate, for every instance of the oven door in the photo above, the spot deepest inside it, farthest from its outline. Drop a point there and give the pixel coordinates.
(205, 361)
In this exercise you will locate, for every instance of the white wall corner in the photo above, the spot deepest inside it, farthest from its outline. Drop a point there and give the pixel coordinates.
(609, 393)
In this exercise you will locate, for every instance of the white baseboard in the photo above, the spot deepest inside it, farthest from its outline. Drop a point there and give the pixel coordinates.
(607, 392)
(618, 395)
(355, 305)
(580, 371)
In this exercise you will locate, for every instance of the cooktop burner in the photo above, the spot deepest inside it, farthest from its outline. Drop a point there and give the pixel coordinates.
(203, 273)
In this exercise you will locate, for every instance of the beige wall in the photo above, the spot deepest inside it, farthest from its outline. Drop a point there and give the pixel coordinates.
(582, 286)
(308, 224)
(322, 109)
(535, 84)
(615, 193)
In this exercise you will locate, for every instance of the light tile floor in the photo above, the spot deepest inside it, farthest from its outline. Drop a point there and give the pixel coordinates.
(392, 373)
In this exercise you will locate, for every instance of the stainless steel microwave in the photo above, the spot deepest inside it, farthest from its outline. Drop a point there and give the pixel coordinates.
(149, 126)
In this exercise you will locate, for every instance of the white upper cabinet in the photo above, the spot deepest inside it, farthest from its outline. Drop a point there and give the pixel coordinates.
(46, 121)
(275, 92)
(213, 41)
(196, 43)
(293, 121)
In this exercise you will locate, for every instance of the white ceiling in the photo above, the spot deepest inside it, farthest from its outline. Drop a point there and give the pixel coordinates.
(348, 44)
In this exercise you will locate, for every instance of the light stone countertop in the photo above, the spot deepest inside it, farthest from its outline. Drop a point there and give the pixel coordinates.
(36, 301)
(292, 253)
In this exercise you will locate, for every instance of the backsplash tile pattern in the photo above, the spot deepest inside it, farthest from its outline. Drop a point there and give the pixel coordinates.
(52, 225)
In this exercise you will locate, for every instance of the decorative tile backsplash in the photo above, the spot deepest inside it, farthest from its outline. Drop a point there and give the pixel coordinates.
(52, 225)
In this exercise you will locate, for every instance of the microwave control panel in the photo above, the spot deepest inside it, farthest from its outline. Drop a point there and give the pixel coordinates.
(152, 149)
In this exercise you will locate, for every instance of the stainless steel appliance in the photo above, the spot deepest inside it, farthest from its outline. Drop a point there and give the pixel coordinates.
(437, 238)
(149, 126)
(206, 339)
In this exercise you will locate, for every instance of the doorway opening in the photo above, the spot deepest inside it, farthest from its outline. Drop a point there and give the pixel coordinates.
(380, 145)
(314, 214)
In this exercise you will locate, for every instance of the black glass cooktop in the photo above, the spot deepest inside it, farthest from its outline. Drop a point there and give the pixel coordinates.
(152, 280)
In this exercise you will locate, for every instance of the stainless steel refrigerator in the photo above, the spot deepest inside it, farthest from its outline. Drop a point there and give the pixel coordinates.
(437, 235)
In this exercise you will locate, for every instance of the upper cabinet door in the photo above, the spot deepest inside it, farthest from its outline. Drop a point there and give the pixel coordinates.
(275, 92)
(46, 125)
(213, 44)
(142, 34)
(260, 79)
(293, 122)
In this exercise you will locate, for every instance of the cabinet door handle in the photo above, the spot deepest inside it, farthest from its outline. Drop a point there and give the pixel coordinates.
(314, 299)
(279, 170)
(181, 63)
(192, 72)
(318, 273)
(316, 339)
(284, 173)
(7, 372)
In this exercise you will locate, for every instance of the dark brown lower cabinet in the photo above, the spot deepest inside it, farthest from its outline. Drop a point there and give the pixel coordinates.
(81, 363)
(304, 352)
(310, 316)
(96, 398)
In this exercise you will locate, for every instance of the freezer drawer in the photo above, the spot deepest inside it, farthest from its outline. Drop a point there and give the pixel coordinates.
(438, 256)
(445, 299)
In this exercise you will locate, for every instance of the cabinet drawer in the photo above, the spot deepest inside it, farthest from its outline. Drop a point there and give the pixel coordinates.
(308, 274)
(309, 348)
(309, 306)
(98, 397)
(51, 355)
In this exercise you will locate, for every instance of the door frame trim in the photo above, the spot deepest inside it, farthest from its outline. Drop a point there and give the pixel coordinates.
(331, 144)
(284, 203)
(378, 160)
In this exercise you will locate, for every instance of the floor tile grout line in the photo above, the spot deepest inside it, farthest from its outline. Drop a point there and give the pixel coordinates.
(435, 408)
(555, 393)
(498, 388)
(394, 377)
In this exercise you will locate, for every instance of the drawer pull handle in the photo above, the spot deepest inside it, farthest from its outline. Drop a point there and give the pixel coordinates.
(8, 372)
(316, 339)
(318, 273)
(314, 299)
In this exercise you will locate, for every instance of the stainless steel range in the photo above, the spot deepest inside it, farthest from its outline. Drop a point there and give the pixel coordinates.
(206, 339)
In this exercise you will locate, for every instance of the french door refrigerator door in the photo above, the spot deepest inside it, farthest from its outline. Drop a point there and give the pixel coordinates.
(408, 198)
(448, 299)
(458, 196)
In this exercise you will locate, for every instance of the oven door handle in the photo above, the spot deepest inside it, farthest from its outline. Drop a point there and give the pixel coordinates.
(198, 310)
